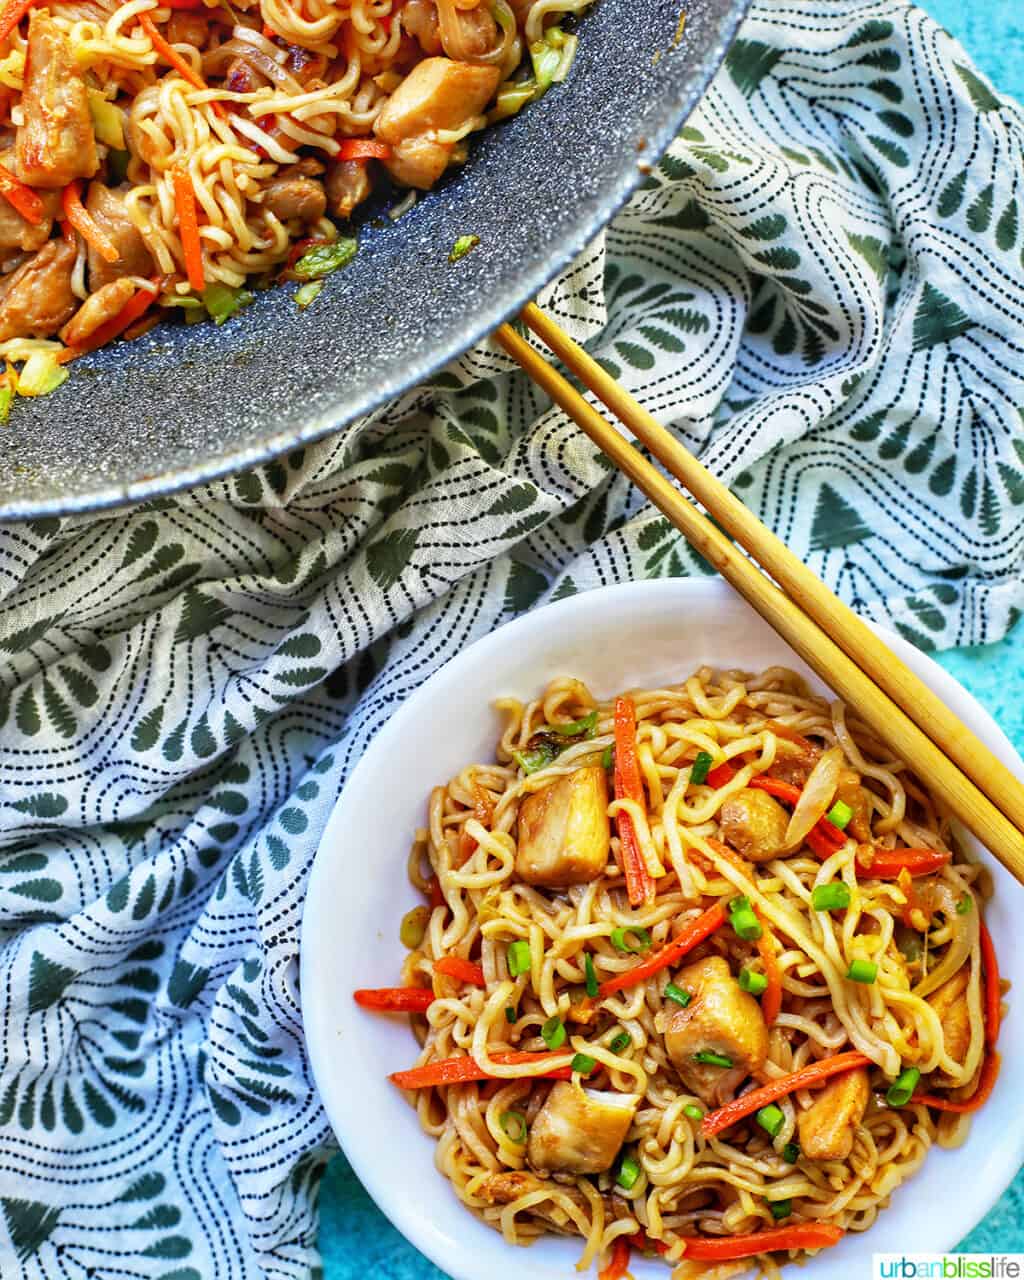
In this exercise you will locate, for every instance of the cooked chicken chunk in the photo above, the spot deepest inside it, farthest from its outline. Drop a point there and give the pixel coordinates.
(56, 142)
(419, 19)
(563, 830)
(17, 234)
(96, 310)
(36, 299)
(851, 793)
(828, 1127)
(187, 28)
(580, 1130)
(107, 207)
(720, 1019)
(794, 762)
(347, 184)
(295, 197)
(438, 95)
(754, 824)
(950, 1003)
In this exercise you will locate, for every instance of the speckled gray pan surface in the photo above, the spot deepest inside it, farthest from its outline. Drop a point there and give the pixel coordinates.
(183, 405)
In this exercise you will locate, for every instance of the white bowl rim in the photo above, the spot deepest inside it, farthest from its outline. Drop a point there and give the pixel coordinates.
(957, 1218)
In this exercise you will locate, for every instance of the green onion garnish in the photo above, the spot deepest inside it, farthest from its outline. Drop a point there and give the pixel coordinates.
(754, 982)
(628, 1173)
(607, 757)
(710, 1059)
(583, 1063)
(746, 924)
(791, 1153)
(701, 767)
(513, 1125)
(830, 897)
(553, 1032)
(588, 969)
(322, 259)
(781, 1209)
(840, 814)
(577, 728)
(902, 1088)
(631, 940)
(963, 907)
(621, 1041)
(692, 1112)
(535, 759)
(462, 246)
(771, 1119)
(865, 971)
(510, 1013)
(519, 957)
(681, 997)
(739, 903)
(307, 293)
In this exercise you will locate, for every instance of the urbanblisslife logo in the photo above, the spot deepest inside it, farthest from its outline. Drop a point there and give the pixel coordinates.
(949, 1266)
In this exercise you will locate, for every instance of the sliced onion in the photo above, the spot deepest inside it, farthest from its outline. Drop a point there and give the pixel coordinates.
(937, 896)
(817, 796)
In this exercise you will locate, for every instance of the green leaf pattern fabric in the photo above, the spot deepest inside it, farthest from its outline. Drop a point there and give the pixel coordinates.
(819, 289)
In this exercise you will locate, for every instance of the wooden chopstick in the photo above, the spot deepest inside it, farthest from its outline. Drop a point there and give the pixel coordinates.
(864, 672)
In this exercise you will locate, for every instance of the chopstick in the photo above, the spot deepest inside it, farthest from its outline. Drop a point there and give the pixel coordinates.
(844, 652)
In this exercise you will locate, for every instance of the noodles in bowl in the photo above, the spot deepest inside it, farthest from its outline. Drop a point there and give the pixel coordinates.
(700, 971)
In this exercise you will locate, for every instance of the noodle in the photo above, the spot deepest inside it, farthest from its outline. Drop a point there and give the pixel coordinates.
(530, 1157)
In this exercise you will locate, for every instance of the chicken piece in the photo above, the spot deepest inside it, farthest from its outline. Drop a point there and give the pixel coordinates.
(419, 19)
(509, 1185)
(564, 836)
(719, 1019)
(347, 184)
(17, 234)
(302, 199)
(580, 1130)
(101, 306)
(950, 1003)
(438, 95)
(187, 27)
(829, 1125)
(56, 142)
(852, 793)
(37, 299)
(754, 824)
(793, 764)
(107, 207)
(478, 34)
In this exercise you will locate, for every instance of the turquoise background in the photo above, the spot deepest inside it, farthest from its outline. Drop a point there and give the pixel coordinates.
(355, 1238)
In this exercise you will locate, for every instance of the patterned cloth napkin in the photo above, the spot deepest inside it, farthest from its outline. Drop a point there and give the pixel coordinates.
(819, 288)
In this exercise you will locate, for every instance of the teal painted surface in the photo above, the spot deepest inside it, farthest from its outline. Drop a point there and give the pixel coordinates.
(354, 1236)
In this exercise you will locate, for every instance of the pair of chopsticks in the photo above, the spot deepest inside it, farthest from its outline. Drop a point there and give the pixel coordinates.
(833, 641)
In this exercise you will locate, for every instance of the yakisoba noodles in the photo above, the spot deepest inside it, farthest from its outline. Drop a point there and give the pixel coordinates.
(703, 973)
(161, 159)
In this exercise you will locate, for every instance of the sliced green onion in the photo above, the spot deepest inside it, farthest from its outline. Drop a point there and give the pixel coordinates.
(414, 926)
(513, 1125)
(739, 903)
(701, 767)
(830, 897)
(963, 907)
(607, 757)
(223, 302)
(681, 997)
(746, 925)
(771, 1119)
(865, 971)
(629, 1172)
(588, 969)
(622, 1041)
(462, 246)
(583, 1063)
(710, 1059)
(840, 814)
(322, 259)
(692, 1112)
(781, 1209)
(791, 1153)
(577, 728)
(41, 374)
(535, 759)
(902, 1088)
(519, 958)
(553, 1032)
(6, 396)
(632, 940)
(510, 1013)
(307, 293)
(754, 982)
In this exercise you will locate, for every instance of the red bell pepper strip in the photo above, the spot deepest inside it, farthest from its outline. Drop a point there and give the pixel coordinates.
(363, 149)
(993, 994)
(461, 970)
(801, 1235)
(464, 1070)
(886, 864)
(13, 12)
(806, 1078)
(629, 786)
(691, 936)
(396, 999)
(619, 1264)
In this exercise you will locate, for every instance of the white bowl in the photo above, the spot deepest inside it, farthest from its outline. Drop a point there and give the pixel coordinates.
(613, 638)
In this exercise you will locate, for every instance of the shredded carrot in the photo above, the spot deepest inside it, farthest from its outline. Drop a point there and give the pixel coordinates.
(396, 999)
(886, 864)
(806, 1078)
(801, 1235)
(26, 201)
(171, 56)
(629, 786)
(986, 1083)
(465, 1070)
(85, 224)
(691, 936)
(619, 1264)
(993, 993)
(461, 970)
(188, 227)
(363, 149)
(771, 1000)
(13, 12)
(136, 306)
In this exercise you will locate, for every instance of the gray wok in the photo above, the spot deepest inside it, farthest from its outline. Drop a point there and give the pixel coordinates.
(184, 405)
